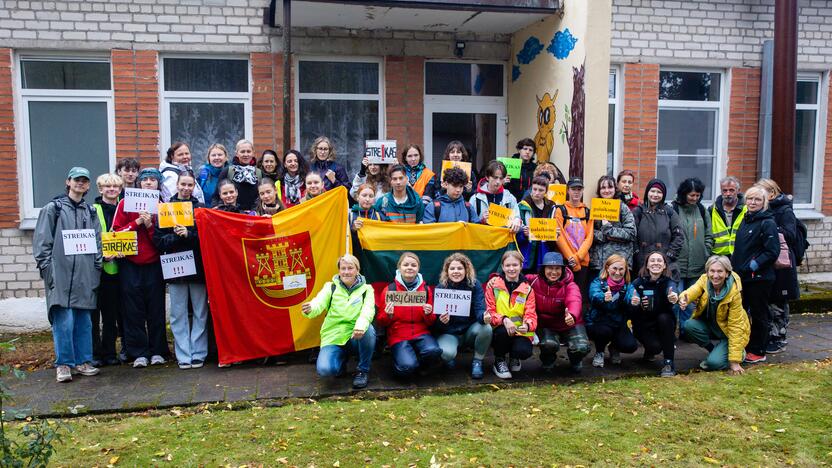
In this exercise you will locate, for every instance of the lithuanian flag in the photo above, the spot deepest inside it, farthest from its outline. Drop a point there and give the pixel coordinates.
(260, 270)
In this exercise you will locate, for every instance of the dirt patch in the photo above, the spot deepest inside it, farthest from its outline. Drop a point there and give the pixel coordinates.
(32, 351)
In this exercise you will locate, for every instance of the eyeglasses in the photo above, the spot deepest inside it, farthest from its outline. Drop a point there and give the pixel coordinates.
(322, 149)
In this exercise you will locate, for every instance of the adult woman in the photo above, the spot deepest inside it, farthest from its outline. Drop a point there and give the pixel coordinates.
(177, 160)
(373, 174)
(657, 227)
(525, 152)
(349, 304)
(611, 298)
(756, 248)
(473, 329)
(291, 185)
(576, 232)
(190, 340)
(456, 152)
(718, 314)
(510, 303)
(535, 205)
(228, 198)
(558, 301)
(314, 186)
(209, 174)
(408, 333)
(269, 165)
(609, 237)
(418, 176)
(267, 203)
(625, 181)
(245, 175)
(322, 161)
(654, 323)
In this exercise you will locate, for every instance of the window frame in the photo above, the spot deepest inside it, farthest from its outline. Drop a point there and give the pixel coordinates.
(820, 115)
(23, 96)
(617, 137)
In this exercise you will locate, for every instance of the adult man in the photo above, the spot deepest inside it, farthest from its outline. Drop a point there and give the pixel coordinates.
(71, 271)
(727, 213)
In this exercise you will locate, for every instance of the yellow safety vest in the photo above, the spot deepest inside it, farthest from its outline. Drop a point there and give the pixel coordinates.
(516, 311)
(724, 236)
(111, 267)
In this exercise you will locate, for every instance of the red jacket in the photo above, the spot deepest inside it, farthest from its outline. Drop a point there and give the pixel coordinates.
(123, 221)
(552, 300)
(407, 322)
(497, 316)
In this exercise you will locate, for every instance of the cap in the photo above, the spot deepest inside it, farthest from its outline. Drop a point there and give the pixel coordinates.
(575, 182)
(552, 259)
(78, 172)
(150, 172)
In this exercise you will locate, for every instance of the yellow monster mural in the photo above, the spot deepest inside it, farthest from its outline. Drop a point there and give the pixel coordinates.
(545, 138)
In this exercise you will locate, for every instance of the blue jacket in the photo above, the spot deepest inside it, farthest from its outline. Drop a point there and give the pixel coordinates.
(614, 313)
(449, 211)
(458, 325)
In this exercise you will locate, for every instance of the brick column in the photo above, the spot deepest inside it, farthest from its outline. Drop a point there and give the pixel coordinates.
(9, 203)
(744, 124)
(641, 115)
(404, 99)
(136, 89)
(267, 104)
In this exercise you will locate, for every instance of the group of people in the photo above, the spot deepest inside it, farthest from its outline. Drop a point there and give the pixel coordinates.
(713, 276)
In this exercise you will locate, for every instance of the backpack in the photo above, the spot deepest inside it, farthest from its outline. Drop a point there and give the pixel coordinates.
(437, 210)
(802, 243)
(93, 214)
(566, 216)
(575, 232)
(332, 293)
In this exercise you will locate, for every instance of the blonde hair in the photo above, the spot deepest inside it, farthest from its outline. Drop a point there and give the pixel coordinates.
(720, 259)
(512, 254)
(405, 255)
(241, 143)
(313, 155)
(760, 191)
(218, 146)
(615, 258)
(771, 187)
(349, 258)
(108, 179)
(470, 273)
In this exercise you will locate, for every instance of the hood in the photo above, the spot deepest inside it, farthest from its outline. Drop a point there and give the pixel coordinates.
(781, 201)
(647, 189)
(400, 281)
(413, 199)
(759, 215)
(483, 183)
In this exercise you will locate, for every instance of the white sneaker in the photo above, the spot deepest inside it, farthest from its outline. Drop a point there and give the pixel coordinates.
(615, 357)
(515, 365)
(64, 374)
(156, 360)
(501, 369)
(598, 360)
(184, 365)
(140, 362)
(87, 369)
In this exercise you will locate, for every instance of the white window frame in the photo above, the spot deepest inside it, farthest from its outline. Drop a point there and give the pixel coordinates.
(29, 213)
(616, 101)
(820, 115)
(382, 108)
(720, 124)
(202, 97)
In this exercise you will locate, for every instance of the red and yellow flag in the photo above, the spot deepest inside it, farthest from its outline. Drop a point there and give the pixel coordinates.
(260, 270)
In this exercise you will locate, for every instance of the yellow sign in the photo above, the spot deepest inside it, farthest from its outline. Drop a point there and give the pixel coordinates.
(557, 193)
(114, 243)
(605, 208)
(171, 214)
(465, 166)
(543, 229)
(498, 215)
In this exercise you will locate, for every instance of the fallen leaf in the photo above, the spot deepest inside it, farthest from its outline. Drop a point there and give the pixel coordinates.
(336, 464)
(710, 460)
(755, 429)
(781, 430)
(113, 460)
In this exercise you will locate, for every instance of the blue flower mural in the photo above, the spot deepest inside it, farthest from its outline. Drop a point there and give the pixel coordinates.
(562, 44)
(515, 72)
(530, 49)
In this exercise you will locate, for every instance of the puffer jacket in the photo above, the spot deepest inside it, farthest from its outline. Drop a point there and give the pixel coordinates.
(614, 238)
(70, 280)
(347, 309)
(458, 325)
(730, 316)
(699, 239)
(407, 322)
(756, 240)
(613, 313)
(552, 300)
(529, 309)
(169, 242)
(658, 229)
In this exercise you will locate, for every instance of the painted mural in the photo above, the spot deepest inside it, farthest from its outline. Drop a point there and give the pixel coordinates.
(544, 139)
(573, 135)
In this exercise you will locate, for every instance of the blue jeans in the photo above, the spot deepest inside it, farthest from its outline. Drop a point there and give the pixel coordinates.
(683, 315)
(477, 336)
(409, 354)
(72, 335)
(190, 340)
(331, 358)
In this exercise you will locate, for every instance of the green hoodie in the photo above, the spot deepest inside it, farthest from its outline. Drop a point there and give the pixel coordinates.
(347, 309)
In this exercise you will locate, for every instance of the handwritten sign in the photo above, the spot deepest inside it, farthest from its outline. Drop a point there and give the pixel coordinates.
(138, 200)
(171, 214)
(79, 241)
(452, 301)
(409, 298)
(381, 151)
(557, 193)
(605, 208)
(294, 282)
(543, 229)
(114, 243)
(178, 264)
(465, 166)
(498, 215)
(513, 166)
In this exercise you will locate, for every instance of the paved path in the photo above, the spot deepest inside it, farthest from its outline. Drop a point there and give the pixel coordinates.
(124, 388)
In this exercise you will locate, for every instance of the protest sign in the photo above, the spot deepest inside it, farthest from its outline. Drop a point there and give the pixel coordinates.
(171, 214)
(408, 298)
(557, 193)
(79, 241)
(294, 282)
(543, 229)
(513, 166)
(498, 215)
(178, 264)
(381, 151)
(114, 243)
(605, 208)
(138, 200)
(452, 301)
(465, 166)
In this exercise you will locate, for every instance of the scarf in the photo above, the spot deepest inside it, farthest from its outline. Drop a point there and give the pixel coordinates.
(245, 175)
(410, 285)
(615, 286)
(292, 183)
(413, 173)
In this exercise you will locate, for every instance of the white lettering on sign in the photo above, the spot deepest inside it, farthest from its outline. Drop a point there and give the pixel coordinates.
(79, 241)
(381, 151)
(177, 265)
(452, 301)
(138, 200)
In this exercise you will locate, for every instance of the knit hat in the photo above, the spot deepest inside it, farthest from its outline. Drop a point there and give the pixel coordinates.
(150, 172)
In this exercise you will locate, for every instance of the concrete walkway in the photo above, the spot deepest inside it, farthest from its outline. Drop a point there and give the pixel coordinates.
(125, 389)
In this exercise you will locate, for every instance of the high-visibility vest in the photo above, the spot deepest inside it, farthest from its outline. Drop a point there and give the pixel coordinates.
(515, 311)
(111, 267)
(424, 180)
(724, 236)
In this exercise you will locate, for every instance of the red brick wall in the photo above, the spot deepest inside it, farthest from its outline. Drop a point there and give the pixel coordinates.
(267, 103)
(404, 95)
(743, 124)
(9, 207)
(826, 202)
(136, 89)
(641, 115)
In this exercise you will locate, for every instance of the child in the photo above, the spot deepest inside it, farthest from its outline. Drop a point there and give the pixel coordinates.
(491, 190)
(372, 174)
(525, 152)
(535, 205)
(314, 186)
(268, 204)
(450, 206)
(228, 198)
(576, 231)
(418, 176)
(402, 204)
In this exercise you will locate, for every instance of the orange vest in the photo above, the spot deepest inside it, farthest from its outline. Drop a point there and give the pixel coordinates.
(424, 180)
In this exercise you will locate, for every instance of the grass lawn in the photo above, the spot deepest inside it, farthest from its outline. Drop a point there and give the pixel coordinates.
(774, 415)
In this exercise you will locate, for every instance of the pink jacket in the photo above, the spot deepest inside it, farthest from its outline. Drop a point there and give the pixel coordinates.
(552, 300)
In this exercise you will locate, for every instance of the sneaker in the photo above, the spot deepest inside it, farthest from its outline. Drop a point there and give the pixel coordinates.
(112, 362)
(196, 364)
(775, 347)
(156, 360)
(598, 360)
(668, 370)
(140, 362)
(704, 366)
(615, 357)
(476, 369)
(577, 367)
(64, 374)
(515, 365)
(224, 365)
(122, 356)
(87, 369)
(751, 358)
(360, 380)
(449, 365)
(184, 365)
(501, 369)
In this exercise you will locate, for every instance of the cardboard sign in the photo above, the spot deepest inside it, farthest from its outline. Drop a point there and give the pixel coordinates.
(381, 151)
(408, 298)
(498, 215)
(294, 282)
(138, 200)
(605, 208)
(543, 229)
(452, 301)
(557, 193)
(465, 166)
(79, 241)
(513, 166)
(178, 264)
(171, 214)
(114, 243)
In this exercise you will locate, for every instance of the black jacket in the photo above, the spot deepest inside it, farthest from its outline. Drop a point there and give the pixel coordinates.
(518, 187)
(169, 242)
(658, 229)
(756, 240)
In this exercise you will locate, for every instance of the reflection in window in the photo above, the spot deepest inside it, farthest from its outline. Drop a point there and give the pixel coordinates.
(463, 79)
(805, 136)
(53, 74)
(201, 124)
(689, 86)
(206, 75)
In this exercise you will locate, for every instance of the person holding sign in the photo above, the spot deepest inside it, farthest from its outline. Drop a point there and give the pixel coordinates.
(142, 285)
(291, 185)
(469, 327)
(625, 181)
(450, 206)
(267, 203)
(177, 161)
(209, 173)
(128, 170)
(418, 176)
(525, 152)
(402, 204)
(322, 160)
(510, 304)
(190, 340)
(408, 326)
(611, 298)
(535, 206)
(576, 231)
(373, 174)
(609, 237)
(558, 300)
(654, 323)
(491, 190)
(456, 152)
(70, 274)
(245, 175)
(349, 304)
(658, 227)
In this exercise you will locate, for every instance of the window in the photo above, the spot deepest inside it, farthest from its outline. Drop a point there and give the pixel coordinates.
(689, 122)
(463, 79)
(66, 120)
(206, 101)
(805, 138)
(341, 100)
(612, 122)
